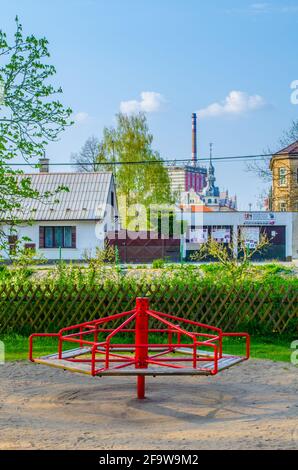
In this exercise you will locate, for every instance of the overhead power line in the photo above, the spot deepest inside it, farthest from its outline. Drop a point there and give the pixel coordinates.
(170, 162)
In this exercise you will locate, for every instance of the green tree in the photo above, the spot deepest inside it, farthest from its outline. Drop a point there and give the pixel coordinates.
(30, 115)
(123, 150)
(130, 143)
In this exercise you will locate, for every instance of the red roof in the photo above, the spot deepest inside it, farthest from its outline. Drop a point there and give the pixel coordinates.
(196, 208)
(290, 150)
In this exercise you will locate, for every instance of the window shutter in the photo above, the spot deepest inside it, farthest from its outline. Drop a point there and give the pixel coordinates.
(41, 237)
(73, 237)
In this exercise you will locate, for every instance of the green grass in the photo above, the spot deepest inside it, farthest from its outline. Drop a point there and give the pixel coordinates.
(276, 349)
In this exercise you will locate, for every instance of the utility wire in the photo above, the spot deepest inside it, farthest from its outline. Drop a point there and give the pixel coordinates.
(170, 162)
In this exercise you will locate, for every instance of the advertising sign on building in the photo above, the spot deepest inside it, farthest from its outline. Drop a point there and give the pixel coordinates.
(250, 236)
(259, 218)
(221, 235)
(198, 236)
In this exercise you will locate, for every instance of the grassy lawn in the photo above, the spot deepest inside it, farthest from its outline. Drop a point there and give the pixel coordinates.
(276, 349)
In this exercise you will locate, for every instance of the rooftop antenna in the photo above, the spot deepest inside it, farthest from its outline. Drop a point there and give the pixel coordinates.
(194, 140)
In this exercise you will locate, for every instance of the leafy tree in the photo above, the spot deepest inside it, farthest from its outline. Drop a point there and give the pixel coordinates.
(130, 143)
(123, 149)
(30, 116)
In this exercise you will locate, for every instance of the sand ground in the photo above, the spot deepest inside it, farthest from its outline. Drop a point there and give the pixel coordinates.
(251, 406)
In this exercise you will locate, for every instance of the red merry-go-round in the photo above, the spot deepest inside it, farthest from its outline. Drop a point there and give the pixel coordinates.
(185, 347)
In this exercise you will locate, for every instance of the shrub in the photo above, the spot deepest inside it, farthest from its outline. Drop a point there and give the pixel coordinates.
(158, 264)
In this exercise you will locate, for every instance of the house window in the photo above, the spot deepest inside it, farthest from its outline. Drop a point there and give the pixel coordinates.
(57, 237)
(112, 199)
(282, 176)
(283, 206)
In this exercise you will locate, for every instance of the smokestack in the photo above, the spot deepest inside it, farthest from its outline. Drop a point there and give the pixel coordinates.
(43, 165)
(194, 156)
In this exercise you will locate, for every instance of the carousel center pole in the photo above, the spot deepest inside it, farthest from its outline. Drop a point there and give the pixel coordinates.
(141, 342)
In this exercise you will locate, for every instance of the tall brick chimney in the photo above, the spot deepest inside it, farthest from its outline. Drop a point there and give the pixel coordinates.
(43, 165)
(194, 155)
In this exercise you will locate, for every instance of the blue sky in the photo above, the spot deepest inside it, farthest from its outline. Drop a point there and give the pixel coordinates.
(190, 54)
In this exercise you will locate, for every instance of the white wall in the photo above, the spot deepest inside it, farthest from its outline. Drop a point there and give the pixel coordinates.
(295, 235)
(89, 235)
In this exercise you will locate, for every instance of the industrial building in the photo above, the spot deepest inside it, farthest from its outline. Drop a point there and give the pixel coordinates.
(196, 178)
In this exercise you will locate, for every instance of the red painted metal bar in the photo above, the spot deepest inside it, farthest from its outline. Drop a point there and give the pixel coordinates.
(194, 355)
(152, 345)
(141, 343)
(128, 320)
(243, 335)
(162, 353)
(72, 340)
(107, 354)
(120, 366)
(81, 335)
(41, 335)
(113, 354)
(60, 346)
(173, 366)
(177, 328)
(93, 363)
(98, 321)
(184, 320)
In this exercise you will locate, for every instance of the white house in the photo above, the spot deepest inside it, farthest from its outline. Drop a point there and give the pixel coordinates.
(69, 223)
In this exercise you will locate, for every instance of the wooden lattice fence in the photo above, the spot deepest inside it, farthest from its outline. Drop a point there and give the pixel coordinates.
(33, 308)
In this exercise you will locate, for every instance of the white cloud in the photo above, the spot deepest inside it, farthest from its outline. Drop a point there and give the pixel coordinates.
(150, 102)
(237, 103)
(272, 8)
(80, 117)
(260, 7)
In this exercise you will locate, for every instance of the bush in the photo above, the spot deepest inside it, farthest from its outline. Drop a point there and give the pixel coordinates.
(70, 294)
(158, 264)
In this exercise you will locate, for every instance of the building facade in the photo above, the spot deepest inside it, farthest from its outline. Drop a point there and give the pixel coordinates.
(187, 178)
(284, 168)
(71, 224)
(228, 227)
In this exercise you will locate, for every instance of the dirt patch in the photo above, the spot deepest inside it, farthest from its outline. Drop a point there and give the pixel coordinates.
(251, 406)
